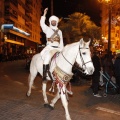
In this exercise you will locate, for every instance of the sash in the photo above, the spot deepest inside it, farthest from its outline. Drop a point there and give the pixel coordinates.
(55, 36)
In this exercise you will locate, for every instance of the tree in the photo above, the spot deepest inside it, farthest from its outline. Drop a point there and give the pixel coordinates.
(76, 25)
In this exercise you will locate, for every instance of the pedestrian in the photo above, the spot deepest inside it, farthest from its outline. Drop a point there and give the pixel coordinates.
(117, 69)
(108, 65)
(54, 40)
(96, 74)
(114, 57)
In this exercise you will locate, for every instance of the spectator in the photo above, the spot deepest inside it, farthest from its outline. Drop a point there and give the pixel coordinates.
(117, 69)
(96, 75)
(114, 57)
(108, 65)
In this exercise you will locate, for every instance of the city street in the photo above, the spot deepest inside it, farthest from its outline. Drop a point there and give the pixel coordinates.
(14, 105)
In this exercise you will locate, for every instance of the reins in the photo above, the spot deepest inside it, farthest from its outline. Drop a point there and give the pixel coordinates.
(79, 69)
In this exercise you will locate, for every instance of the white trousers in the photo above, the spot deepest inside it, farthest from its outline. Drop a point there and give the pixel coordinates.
(48, 52)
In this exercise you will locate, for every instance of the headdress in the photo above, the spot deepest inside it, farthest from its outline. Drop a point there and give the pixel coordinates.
(53, 17)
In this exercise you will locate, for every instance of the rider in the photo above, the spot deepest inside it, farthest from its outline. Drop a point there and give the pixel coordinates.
(54, 40)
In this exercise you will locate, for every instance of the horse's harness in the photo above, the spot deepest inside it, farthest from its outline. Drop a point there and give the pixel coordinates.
(64, 78)
(83, 63)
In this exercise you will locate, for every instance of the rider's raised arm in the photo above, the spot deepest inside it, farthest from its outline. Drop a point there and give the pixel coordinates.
(42, 21)
(61, 41)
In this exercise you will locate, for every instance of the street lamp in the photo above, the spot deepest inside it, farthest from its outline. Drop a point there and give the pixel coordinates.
(109, 3)
(109, 28)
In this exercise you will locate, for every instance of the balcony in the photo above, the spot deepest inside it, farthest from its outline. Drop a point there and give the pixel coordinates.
(28, 9)
(28, 18)
(30, 2)
(28, 25)
(14, 2)
(9, 12)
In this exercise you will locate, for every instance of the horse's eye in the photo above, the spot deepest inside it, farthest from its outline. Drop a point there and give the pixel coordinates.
(83, 53)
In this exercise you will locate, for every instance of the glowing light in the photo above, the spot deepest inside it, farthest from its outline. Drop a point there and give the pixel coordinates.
(6, 26)
(10, 26)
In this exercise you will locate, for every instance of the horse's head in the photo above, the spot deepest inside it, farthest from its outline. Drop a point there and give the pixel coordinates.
(84, 58)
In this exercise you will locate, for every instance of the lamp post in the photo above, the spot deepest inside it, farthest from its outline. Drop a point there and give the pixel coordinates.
(109, 29)
(109, 3)
(51, 7)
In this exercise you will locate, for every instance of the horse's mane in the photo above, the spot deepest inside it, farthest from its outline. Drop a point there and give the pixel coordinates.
(71, 44)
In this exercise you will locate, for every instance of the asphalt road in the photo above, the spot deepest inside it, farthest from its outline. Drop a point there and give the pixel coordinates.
(14, 105)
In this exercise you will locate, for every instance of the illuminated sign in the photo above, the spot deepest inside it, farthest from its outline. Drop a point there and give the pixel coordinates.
(21, 31)
(10, 26)
(6, 26)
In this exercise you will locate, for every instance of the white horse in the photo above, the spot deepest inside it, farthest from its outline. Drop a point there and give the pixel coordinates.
(61, 70)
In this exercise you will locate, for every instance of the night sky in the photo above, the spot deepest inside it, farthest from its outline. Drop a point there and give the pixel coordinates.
(63, 8)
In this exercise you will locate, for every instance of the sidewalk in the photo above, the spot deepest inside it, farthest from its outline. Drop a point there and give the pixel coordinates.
(14, 105)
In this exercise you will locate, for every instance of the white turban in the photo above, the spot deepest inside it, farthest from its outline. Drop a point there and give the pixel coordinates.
(56, 19)
(53, 18)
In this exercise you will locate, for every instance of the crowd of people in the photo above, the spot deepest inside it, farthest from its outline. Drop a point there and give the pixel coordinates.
(109, 65)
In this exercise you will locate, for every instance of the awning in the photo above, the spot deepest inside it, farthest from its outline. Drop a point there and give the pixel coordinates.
(15, 42)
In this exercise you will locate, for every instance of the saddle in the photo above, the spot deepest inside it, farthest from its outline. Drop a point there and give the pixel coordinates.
(50, 64)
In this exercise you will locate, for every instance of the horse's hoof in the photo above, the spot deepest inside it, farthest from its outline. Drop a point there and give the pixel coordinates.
(51, 107)
(46, 105)
(27, 94)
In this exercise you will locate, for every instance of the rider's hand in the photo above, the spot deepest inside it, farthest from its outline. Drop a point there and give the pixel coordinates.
(45, 11)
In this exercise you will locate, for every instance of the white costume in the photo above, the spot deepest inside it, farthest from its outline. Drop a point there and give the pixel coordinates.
(52, 45)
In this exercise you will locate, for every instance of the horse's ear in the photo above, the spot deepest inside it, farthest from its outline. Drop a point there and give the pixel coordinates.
(81, 41)
(88, 43)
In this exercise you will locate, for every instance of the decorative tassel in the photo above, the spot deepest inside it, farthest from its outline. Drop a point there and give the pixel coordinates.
(52, 87)
(53, 90)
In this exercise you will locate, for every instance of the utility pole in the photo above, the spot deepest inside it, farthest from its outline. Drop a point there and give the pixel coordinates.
(109, 29)
(51, 7)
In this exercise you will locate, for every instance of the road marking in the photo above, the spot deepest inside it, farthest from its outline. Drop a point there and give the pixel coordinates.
(20, 83)
(6, 76)
(48, 93)
(108, 110)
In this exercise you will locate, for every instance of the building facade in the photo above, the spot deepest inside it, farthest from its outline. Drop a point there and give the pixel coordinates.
(115, 25)
(24, 15)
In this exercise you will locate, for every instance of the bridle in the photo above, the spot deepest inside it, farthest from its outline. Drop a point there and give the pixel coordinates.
(83, 63)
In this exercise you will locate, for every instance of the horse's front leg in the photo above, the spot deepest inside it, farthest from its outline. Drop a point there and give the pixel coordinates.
(44, 86)
(65, 102)
(55, 99)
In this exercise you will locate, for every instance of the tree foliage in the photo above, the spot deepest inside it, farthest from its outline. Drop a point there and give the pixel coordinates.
(76, 25)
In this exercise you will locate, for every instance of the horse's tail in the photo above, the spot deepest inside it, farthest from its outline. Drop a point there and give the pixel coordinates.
(33, 68)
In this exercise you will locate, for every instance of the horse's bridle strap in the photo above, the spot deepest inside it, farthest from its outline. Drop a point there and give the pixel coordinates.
(82, 58)
(81, 70)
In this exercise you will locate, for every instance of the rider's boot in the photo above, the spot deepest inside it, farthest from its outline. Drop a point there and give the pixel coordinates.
(45, 71)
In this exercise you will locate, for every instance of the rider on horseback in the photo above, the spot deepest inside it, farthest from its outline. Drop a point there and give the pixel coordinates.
(54, 40)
